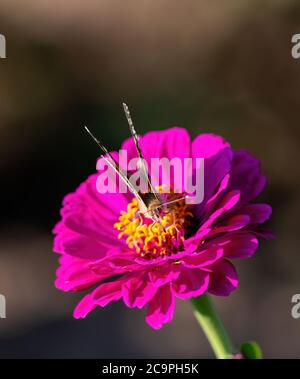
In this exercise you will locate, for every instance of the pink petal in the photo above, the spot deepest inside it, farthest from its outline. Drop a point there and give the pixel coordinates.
(259, 213)
(238, 245)
(74, 274)
(208, 145)
(231, 224)
(122, 262)
(108, 205)
(170, 143)
(162, 275)
(78, 245)
(115, 262)
(87, 222)
(211, 203)
(193, 243)
(223, 278)
(161, 260)
(161, 308)
(102, 295)
(227, 203)
(217, 155)
(246, 176)
(138, 290)
(86, 229)
(191, 283)
(264, 233)
(108, 292)
(203, 258)
(84, 307)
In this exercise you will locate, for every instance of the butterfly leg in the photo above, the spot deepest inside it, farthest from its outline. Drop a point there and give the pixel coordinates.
(140, 219)
(151, 226)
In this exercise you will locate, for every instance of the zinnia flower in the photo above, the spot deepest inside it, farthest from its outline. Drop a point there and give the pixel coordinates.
(101, 242)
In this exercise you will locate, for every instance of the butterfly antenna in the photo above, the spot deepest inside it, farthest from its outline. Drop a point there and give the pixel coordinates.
(171, 202)
(133, 131)
(102, 147)
(130, 122)
(138, 147)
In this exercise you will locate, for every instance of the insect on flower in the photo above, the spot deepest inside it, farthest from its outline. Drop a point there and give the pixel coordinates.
(151, 203)
(149, 247)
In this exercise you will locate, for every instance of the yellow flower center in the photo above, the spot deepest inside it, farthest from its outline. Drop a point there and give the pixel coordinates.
(152, 239)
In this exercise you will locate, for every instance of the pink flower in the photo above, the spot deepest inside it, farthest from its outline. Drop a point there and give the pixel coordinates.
(101, 245)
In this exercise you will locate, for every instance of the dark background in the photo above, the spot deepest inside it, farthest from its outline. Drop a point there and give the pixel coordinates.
(221, 67)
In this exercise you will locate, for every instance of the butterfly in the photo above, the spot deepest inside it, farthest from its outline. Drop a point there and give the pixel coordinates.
(151, 203)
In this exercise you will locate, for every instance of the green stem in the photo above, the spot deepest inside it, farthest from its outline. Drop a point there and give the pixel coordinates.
(213, 327)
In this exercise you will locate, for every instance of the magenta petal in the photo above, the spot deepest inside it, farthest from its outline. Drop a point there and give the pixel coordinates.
(162, 275)
(191, 283)
(211, 203)
(208, 145)
(170, 143)
(231, 224)
(203, 258)
(74, 274)
(124, 263)
(161, 308)
(217, 155)
(264, 233)
(86, 229)
(90, 224)
(77, 245)
(223, 278)
(238, 245)
(115, 262)
(107, 205)
(227, 203)
(102, 266)
(108, 292)
(85, 306)
(246, 176)
(258, 213)
(138, 291)
(161, 260)
(193, 243)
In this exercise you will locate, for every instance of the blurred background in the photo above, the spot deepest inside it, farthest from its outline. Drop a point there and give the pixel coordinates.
(221, 67)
